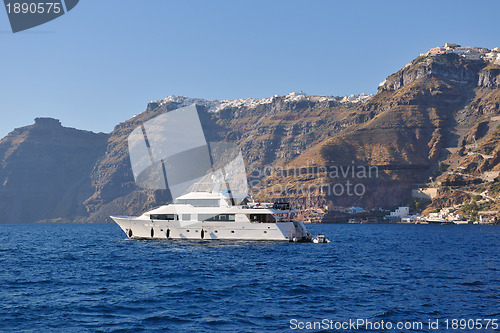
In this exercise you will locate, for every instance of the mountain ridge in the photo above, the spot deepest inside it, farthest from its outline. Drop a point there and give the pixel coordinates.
(44, 177)
(405, 130)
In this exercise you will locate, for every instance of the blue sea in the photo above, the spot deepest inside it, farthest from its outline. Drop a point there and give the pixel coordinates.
(90, 278)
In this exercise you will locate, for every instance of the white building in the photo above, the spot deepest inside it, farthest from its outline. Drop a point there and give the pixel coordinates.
(491, 56)
(398, 214)
(472, 56)
(401, 212)
(458, 51)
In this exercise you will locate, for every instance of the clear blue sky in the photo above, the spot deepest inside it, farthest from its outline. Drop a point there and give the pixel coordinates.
(105, 60)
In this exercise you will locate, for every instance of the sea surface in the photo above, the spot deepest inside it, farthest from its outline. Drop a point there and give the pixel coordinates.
(90, 278)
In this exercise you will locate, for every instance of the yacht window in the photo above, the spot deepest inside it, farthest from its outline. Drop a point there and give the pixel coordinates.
(219, 217)
(167, 217)
(281, 206)
(199, 202)
(186, 217)
(262, 218)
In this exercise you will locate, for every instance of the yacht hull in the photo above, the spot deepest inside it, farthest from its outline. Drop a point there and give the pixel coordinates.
(137, 228)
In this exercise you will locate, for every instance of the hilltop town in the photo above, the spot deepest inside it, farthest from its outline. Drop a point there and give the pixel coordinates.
(468, 52)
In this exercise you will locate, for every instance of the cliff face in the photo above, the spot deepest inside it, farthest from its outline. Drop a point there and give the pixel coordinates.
(449, 67)
(489, 77)
(268, 134)
(44, 172)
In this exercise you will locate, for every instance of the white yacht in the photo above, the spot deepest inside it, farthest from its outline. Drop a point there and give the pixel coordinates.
(215, 215)
(170, 152)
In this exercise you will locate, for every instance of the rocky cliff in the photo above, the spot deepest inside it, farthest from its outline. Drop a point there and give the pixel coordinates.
(450, 67)
(489, 77)
(267, 131)
(44, 173)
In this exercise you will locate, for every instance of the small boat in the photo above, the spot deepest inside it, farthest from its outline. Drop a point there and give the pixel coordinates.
(439, 221)
(320, 239)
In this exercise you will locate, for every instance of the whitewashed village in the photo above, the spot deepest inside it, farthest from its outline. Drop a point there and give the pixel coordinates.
(403, 214)
(468, 52)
